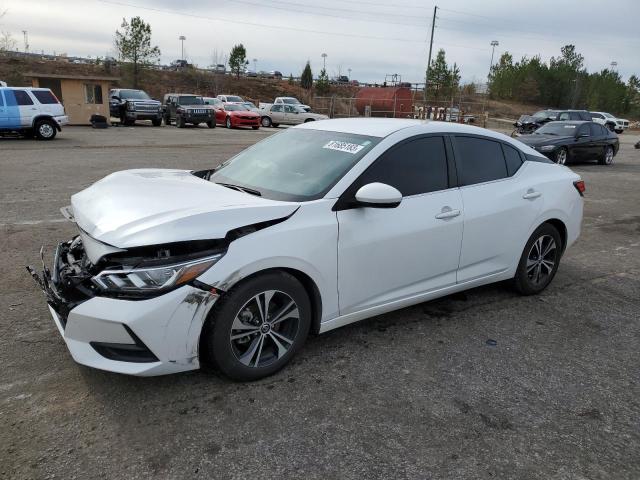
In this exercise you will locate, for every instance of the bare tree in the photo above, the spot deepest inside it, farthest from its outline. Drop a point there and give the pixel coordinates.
(7, 42)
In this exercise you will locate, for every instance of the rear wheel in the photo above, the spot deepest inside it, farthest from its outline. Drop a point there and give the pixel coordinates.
(607, 157)
(167, 120)
(227, 122)
(561, 156)
(539, 261)
(266, 122)
(309, 120)
(45, 130)
(257, 327)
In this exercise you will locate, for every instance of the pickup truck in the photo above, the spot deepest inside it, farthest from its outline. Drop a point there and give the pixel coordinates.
(286, 101)
(130, 105)
(276, 114)
(614, 124)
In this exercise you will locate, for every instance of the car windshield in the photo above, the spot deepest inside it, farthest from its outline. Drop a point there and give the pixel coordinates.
(234, 107)
(190, 100)
(134, 95)
(249, 104)
(608, 115)
(544, 114)
(295, 165)
(557, 128)
(290, 101)
(232, 98)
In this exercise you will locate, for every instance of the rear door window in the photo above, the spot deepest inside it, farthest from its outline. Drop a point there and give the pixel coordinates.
(479, 160)
(513, 159)
(596, 130)
(22, 97)
(45, 97)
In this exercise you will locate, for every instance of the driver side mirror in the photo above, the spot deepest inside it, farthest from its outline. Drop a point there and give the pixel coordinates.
(113, 97)
(378, 195)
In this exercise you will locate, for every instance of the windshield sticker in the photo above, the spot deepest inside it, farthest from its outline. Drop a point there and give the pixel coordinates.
(569, 126)
(344, 146)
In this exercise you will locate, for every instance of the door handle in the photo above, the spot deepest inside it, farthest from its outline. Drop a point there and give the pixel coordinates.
(531, 194)
(447, 212)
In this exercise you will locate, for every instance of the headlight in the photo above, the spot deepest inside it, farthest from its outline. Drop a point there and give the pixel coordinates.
(153, 280)
(547, 148)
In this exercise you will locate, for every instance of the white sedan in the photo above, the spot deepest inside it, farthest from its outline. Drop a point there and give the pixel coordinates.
(313, 228)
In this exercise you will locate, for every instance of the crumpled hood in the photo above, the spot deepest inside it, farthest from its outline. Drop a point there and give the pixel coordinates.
(154, 206)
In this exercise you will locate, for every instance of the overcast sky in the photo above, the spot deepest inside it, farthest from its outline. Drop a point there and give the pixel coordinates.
(371, 37)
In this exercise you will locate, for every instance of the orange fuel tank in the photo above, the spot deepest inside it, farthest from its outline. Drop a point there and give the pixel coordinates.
(385, 101)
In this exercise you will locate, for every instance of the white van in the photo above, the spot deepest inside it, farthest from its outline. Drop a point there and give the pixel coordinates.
(31, 111)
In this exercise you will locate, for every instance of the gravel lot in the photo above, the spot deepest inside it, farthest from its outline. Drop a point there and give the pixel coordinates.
(484, 384)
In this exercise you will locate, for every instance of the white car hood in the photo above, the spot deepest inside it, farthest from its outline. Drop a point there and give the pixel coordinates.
(134, 208)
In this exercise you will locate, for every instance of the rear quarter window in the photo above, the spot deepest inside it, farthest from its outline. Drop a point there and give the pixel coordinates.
(513, 159)
(22, 97)
(45, 97)
(479, 160)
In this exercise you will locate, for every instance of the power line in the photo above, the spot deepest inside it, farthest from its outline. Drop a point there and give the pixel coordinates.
(256, 24)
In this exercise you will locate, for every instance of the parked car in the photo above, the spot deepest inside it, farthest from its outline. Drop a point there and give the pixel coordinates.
(131, 105)
(286, 101)
(252, 74)
(213, 101)
(180, 65)
(573, 140)
(220, 68)
(528, 124)
(275, 115)
(564, 115)
(233, 115)
(251, 106)
(275, 74)
(236, 265)
(230, 99)
(183, 109)
(614, 124)
(31, 111)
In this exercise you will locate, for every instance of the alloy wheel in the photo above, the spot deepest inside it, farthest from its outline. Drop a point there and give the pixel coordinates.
(561, 157)
(265, 328)
(45, 130)
(541, 259)
(608, 156)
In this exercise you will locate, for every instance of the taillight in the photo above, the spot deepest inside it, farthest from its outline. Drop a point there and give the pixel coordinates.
(580, 187)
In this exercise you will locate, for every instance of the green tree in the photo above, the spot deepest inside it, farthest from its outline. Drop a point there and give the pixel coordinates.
(443, 80)
(133, 44)
(291, 82)
(237, 59)
(322, 84)
(306, 79)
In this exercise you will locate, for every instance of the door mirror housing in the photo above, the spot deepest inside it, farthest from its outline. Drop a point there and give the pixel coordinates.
(378, 195)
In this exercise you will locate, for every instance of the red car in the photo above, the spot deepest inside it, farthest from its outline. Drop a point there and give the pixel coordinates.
(233, 115)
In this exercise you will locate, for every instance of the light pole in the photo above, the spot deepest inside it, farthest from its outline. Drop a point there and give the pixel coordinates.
(324, 61)
(255, 65)
(614, 64)
(494, 44)
(349, 70)
(182, 38)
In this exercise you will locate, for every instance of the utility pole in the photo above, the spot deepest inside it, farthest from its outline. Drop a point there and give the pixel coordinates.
(255, 65)
(182, 38)
(426, 77)
(25, 35)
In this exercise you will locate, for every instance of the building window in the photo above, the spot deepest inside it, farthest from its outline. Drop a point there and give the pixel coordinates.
(93, 93)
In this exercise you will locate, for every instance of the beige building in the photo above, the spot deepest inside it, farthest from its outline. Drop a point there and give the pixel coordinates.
(82, 96)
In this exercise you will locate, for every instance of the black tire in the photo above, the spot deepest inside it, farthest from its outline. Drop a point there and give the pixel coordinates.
(266, 122)
(156, 122)
(180, 123)
(238, 307)
(619, 132)
(534, 273)
(275, 125)
(167, 120)
(607, 156)
(562, 156)
(227, 123)
(211, 124)
(45, 130)
(255, 127)
(310, 120)
(611, 127)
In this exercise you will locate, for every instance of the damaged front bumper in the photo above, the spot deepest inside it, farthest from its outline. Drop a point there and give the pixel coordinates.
(145, 337)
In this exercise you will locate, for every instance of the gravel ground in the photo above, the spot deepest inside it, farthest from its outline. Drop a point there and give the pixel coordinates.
(483, 384)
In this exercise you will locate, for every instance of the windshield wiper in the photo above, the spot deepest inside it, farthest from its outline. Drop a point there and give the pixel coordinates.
(250, 191)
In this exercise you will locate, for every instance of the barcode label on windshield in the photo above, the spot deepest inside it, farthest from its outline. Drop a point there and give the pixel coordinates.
(343, 146)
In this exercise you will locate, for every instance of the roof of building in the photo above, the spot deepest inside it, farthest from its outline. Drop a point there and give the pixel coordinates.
(70, 76)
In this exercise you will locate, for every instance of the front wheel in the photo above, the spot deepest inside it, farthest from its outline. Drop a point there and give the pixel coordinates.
(607, 158)
(45, 130)
(266, 122)
(156, 122)
(227, 123)
(211, 124)
(619, 132)
(561, 156)
(180, 123)
(539, 261)
(256, 328)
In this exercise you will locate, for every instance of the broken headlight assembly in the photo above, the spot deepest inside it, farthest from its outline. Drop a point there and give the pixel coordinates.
(153, 280)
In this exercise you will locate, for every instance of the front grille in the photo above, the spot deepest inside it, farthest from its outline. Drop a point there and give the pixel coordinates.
(248, 118)
(146, 108)
(198, 112)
